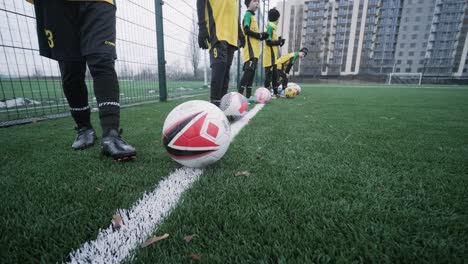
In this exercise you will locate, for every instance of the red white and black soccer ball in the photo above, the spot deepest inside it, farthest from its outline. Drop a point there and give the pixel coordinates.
(234, 105)
(196, 134)
(263, 95)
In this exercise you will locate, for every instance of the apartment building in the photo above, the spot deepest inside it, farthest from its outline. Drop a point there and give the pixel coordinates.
(379, 37)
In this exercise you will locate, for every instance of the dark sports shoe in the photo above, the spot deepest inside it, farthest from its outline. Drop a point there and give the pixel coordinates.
(85, 137)
(114, 146)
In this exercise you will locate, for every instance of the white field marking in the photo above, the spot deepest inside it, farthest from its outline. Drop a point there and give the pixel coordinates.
(237, 126)
(138, 223)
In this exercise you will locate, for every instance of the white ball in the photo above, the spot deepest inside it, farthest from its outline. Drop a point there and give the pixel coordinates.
(263, 95)
(196, 134)
(234, 105)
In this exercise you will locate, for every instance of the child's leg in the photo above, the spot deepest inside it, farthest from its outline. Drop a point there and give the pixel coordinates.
(98, 36)
(283, 78)
(106, 89)
(219, 59)
(242, 83)
(249, 75)
(230, 57)
(268, 76)
(252, 70)
(285, 82)
(244, 80)
(74, 88)
(274, 79)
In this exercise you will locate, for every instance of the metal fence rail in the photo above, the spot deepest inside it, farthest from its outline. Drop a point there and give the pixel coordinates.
(30, 85)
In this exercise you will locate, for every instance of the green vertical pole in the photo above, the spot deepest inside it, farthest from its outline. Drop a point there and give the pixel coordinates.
(263, 43)
(160, 43)
(239, 50)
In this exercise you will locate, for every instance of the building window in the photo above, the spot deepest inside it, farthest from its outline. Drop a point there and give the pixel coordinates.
(403, 36)
(398, 69)
(398, 62)
(421, 62)
(419, 70)
(400, 53)
(419, 10)
(414, 36)
(402, 45)
(417, 19)
(412, 45)
(409, 62)
(416, 27)
(408, 70)
(421, 1)
(411, 53)
(423, 53)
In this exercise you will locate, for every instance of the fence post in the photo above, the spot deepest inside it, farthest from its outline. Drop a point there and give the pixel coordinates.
(161, 58)
(263, 46)
(239, 49)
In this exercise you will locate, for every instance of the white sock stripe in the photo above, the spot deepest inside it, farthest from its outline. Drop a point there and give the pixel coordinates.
(80, 109)
(140, 221)
(109, 103)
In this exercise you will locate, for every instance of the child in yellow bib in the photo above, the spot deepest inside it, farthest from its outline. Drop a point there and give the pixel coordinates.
(251, 51)
(286, 62)
(270, 51)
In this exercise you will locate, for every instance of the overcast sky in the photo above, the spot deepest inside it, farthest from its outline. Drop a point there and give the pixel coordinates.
(135, 29)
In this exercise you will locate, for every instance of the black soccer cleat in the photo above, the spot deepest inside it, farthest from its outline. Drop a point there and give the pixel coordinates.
(114, 146)
(85, 137)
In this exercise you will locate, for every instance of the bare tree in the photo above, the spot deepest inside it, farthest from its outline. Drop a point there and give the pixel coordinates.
(194, 51)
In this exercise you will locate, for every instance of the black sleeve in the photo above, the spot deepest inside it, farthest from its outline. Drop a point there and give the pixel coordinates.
(249, 32)
(290, 65)
(273, 42)
(201, 12)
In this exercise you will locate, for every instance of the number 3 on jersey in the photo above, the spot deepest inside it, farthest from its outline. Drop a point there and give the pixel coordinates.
(50, 38)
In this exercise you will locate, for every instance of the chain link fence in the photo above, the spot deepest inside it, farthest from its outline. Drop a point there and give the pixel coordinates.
(30, 85)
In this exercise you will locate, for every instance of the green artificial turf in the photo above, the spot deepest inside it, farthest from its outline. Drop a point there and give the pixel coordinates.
(337, 175)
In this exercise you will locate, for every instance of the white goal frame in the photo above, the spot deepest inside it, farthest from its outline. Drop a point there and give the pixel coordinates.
(419, 75)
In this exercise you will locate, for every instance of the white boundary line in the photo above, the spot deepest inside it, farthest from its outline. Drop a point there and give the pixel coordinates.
(139, 222)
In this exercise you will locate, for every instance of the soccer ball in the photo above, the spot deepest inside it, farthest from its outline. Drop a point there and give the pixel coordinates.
(290, 92)
(196, 134)
(234, 105)
(295, 85)
(263, 95)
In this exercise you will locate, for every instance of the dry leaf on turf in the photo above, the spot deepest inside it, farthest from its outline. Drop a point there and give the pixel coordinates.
(189, 238)
(117, 221)
(154, 239)
(195, 256)
(242, 173)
